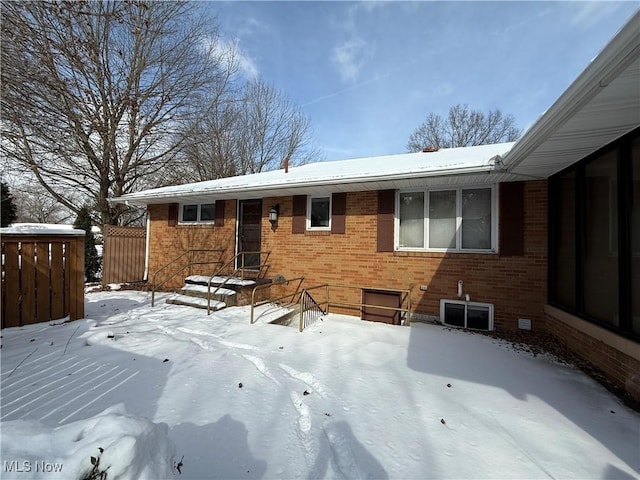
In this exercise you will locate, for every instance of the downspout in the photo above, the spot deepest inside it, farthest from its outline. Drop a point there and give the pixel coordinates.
(146, 248)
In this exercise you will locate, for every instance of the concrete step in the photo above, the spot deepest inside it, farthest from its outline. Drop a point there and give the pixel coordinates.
(197, 302)
(232, 283)
(290, 315)
(226, 295)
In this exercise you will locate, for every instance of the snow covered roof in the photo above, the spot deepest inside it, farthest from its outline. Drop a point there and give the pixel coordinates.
(372, 173)
(41, 229)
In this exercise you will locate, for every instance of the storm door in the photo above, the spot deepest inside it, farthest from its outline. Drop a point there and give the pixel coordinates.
(249, 227)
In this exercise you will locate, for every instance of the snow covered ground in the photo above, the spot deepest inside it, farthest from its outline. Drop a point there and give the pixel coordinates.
(168, 392)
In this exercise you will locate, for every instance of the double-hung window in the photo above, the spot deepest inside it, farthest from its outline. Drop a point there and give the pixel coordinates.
(453, 219)
(319, 213)
(197, 213)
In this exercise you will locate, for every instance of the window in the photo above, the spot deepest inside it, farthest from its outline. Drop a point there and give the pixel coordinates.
(458, 313)
(197, 213)
(453, 219)
(594, 252)
(319, 213)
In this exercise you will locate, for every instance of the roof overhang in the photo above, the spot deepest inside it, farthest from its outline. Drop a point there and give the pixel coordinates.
(469, 165)
(600, 106)
(481, 176)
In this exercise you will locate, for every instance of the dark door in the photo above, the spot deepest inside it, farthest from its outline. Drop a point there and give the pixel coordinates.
(249, 228)
(384, 299)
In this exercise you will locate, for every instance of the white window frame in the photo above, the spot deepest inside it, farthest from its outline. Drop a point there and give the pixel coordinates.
(458, 248)
(198, 220)
(309, 201)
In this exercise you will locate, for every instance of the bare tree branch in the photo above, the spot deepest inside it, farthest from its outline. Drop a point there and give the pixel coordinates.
(463, 128)
(96, 95)
(249, 132)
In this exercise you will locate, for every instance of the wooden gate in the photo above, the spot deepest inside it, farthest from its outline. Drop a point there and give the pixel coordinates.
(123, 255)
(42, 278)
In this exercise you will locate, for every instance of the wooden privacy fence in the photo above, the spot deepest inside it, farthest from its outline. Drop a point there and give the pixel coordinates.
(42, 277)
(123, 255)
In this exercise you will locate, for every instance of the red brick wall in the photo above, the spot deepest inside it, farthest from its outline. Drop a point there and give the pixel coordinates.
(167, 243)
(621, 369)
(515, 285)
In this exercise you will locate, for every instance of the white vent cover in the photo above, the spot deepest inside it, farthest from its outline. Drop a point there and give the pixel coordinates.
(524, 324)
(458, 313)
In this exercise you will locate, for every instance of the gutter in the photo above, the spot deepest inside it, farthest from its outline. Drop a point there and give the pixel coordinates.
(130, 200)
(615, 57)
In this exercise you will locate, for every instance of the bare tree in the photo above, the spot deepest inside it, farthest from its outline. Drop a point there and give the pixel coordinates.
(254, 131)
(463, 128)
(96, 95)
(35, 205)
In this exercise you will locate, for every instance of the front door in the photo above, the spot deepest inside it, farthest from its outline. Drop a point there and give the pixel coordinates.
(249, 230)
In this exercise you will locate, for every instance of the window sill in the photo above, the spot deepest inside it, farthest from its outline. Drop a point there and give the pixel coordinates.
(195, 224)
(442, 253)
(317, 233)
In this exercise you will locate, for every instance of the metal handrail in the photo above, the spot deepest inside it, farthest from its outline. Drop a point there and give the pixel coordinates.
(229, 277)
(406, 298)
(189, 264)
(327, 286)
(309, 308)
(272, 300)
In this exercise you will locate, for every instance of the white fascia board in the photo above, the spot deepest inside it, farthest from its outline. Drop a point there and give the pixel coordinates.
(240, 190)
(617, 55)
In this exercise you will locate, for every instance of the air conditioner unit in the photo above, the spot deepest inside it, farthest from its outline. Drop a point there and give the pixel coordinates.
(458, 313)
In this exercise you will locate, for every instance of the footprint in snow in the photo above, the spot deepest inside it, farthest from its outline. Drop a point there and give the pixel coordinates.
(261, 367)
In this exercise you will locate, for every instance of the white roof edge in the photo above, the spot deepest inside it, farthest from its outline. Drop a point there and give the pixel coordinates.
(133, 199)
(616, 55)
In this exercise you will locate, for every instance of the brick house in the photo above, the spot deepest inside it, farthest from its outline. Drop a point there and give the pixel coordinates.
(546, 230)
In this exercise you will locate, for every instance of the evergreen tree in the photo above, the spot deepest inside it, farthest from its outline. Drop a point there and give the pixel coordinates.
(8, 214)
(91, 258)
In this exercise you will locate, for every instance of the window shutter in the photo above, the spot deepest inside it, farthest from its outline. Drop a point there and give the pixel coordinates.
(173, 215)
(299, 219)
(338, 212)
(386, 209)
(219, 220)
(511, 223)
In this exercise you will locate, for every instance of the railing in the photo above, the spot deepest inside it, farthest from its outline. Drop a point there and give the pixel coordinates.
(292, 295)
(310, 310)
(238, 259)
(403, 311)
(189, 254)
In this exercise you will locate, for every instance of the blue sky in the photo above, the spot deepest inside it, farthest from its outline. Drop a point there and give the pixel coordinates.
(368, 73)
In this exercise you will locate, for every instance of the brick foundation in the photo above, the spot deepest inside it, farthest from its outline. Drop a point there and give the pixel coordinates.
(617, 358)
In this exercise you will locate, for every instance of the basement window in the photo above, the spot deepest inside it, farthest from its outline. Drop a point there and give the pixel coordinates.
(197, 213)
(458, 313)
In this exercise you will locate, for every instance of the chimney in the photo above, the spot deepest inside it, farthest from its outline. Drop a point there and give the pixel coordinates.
(430, 149)
(286, 165)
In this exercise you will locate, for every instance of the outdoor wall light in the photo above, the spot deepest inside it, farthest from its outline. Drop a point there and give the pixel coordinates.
(273, 214)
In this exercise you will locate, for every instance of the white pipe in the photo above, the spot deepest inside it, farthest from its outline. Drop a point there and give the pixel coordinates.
(146, 249)
(460, 288)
